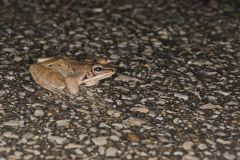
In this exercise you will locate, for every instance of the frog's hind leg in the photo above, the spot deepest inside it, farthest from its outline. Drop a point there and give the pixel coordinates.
(47, 78)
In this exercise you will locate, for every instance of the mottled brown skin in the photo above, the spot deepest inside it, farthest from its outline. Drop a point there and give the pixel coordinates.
(64, 75)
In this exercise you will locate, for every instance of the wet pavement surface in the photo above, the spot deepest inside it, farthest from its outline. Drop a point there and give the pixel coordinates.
(175, 95)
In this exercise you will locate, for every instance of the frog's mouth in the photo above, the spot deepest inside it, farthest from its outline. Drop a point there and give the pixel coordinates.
(96, 78)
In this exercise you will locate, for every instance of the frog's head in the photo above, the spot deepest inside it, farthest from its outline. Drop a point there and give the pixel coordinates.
(100, 69)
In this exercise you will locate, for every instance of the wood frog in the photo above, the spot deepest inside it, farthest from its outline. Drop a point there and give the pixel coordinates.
(64, 75)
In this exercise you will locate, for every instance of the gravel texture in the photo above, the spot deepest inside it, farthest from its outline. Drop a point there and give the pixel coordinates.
(176, 94)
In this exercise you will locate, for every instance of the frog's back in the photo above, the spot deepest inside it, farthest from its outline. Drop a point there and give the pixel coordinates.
(67, 66)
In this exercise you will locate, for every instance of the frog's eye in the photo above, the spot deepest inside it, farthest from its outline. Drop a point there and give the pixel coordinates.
(97, 69)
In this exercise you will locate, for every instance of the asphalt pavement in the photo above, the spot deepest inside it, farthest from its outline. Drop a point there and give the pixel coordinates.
(176, 93)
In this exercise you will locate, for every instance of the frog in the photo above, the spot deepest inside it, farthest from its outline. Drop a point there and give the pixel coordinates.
(65, 75)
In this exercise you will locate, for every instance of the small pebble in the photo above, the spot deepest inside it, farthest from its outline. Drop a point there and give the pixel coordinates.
(10, 135)
(115, 56)
(38, 113)
(63, 123)
(27, 88)
(181, 96)
(127, 78)
(114, 138)
(108, 100)
(153, 158)
(114, 113)
(97, 10)
(229, 156)
(133, 137)
(139, 109)
(178, 153)
(10, 50)
(148, 51)
(219, 140)
(72, 145)
(135, 122)
(17, 59)
(118, 125)
(101, 150)
(210, 106)
(187, 145)
(2, 92)
(78, 151)
(189, 157)
(100, 141)
(57, 139)
(10, 77)
(202, 146)
(111, 152)
(14, 123)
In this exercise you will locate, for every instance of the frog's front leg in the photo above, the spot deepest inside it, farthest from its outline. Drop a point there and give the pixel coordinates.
(72, 84)
(47, 78)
